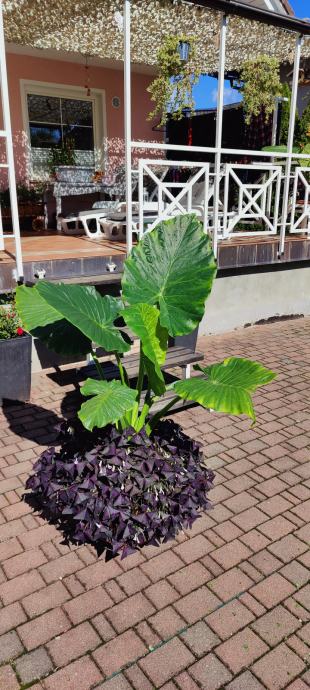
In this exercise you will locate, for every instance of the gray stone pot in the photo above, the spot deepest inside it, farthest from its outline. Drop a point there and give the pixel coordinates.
(15, 368)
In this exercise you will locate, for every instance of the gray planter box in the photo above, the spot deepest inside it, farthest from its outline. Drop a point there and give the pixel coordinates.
(15, 368)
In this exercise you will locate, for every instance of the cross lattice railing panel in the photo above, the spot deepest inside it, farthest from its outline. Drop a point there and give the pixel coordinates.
(300, 203)
(256, 201)
(173, 198)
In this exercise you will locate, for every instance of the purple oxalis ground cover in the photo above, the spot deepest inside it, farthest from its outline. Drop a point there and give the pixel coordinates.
(121, 491)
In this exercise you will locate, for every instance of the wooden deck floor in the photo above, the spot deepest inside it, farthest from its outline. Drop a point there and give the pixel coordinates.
(64, 257)
(51, 246)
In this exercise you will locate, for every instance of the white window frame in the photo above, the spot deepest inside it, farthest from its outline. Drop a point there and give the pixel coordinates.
(97, 98)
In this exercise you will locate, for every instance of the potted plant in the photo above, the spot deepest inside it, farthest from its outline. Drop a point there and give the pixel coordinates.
(260, 85)
(61, 155)
(15, 356)
(178, 72)
(123, 476)
(63, 166)
(30, 204)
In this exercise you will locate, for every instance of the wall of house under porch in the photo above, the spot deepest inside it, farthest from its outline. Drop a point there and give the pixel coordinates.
(242, 298)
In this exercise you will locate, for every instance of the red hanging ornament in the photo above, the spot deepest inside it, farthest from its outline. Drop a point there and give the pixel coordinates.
(190, 133)
(87, 77)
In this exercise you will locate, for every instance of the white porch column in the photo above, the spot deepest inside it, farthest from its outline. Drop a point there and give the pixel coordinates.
(7, 134)
(127, 123)
(219, 130)
(290, 142)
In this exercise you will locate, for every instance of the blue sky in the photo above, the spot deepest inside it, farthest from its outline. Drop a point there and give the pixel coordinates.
(300, 8)
(205, 92)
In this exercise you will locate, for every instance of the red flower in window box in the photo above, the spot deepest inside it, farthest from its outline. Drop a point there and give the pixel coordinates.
(19, 331)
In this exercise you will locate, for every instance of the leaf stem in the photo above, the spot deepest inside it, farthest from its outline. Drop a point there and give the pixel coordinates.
(140, 375)
(161, 413)
(97, 364)
(140, 422)
(122, 370)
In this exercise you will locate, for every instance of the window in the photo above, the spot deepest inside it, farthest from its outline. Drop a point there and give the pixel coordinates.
(56, 114)
(53, 120)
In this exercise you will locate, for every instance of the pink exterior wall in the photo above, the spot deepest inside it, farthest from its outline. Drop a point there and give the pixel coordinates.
(55, 71)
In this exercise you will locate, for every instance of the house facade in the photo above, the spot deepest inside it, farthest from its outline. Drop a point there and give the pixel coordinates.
(48, 87)
(53, 95)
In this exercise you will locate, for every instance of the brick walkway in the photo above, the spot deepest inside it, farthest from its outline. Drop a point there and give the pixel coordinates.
(226, 606)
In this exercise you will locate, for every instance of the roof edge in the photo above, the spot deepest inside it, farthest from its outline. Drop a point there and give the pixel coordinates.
(291, 23)
(288, 7)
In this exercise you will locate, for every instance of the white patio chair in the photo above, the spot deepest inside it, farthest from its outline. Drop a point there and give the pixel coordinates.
(79, 223)
(199, 200)
(100, 210)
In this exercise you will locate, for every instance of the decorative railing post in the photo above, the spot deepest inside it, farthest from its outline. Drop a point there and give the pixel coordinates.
(127, 122)
(219, 129)
(290, 143)
(10, 165)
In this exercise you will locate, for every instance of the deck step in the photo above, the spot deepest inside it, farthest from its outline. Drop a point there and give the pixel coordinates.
(88, 280)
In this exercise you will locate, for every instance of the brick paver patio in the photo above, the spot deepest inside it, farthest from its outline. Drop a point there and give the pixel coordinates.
(225, 606)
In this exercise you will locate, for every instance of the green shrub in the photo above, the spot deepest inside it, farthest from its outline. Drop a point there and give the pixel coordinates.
(304, 128)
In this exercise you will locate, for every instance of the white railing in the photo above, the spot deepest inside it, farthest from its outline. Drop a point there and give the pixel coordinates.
(258, 202)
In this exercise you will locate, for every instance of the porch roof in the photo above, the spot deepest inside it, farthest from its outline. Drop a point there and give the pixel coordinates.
(89, 27)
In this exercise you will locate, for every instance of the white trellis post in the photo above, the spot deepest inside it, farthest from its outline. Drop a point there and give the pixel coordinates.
(219, 130)
(127, 122)
(290, 142)
(10, 165)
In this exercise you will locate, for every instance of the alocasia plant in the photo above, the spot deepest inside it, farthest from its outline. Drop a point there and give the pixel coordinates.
(167, 279)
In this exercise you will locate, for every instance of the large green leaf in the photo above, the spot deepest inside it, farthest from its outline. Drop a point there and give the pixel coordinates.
(172, 267)
(45, 323)
(143, 319)
(111, 401)
(226, 387)
(88, 311)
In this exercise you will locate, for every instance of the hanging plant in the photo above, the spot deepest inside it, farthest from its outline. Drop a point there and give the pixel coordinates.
(261, 85)
(172, 89)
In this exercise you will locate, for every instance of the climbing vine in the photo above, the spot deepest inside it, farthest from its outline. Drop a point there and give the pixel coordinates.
(172, 89)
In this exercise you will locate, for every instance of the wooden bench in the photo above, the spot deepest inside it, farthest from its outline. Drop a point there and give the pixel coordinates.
(177, 356)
